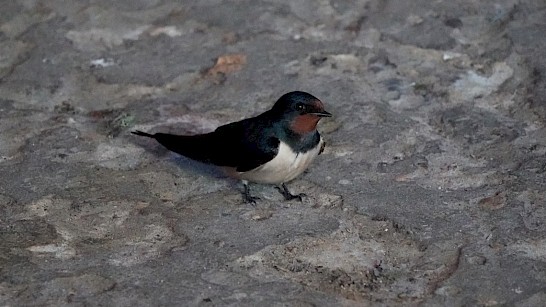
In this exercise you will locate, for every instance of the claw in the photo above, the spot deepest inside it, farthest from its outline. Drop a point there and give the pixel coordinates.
(289, 196)
(247, 198)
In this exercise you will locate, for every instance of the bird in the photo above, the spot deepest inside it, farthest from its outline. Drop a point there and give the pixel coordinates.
(273, 147)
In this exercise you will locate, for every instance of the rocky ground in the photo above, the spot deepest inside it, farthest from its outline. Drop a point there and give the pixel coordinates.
(431, 190)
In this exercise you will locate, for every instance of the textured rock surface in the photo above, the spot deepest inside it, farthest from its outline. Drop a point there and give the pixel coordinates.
(431, 190)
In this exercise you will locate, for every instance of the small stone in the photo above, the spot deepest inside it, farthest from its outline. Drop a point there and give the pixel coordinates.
(292, 67)
(448, 291)
(453, 23)
(479, 260)
(405, 102)
(450, 56)
(328, 201)
(257, 215)
(414, 20)
(494, 202)
(230, 38)
(391, 95)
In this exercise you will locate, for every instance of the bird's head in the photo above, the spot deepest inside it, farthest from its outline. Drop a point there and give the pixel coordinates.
(300, 110)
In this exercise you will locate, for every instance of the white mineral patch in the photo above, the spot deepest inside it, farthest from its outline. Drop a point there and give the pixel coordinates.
(122, 157)
(344, 182)
(348, 255)
(535, 249)
(170, 31)
(60, 251)
(102, 62)
(450, 56)
(472, 85)
(98, 39)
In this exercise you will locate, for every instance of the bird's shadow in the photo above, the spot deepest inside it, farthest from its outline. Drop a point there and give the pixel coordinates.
(197, 167)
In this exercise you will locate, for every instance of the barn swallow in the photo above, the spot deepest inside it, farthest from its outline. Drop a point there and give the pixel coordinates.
(271, 148)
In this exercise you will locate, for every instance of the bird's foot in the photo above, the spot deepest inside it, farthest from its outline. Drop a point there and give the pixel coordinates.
(289, 196)
(247, 198)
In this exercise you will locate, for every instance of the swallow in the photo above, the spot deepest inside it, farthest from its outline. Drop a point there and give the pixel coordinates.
(272, 148)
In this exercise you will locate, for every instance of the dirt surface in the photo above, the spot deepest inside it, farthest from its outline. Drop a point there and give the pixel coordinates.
(431, 190)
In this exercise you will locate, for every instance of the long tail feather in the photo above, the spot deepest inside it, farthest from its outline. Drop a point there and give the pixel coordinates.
(140, 133)
(196, 147)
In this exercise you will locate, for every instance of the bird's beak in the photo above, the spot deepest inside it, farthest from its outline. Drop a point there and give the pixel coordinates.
(322, 114)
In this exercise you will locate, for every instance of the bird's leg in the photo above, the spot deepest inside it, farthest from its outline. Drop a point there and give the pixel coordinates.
(246, 194)
(289, 196)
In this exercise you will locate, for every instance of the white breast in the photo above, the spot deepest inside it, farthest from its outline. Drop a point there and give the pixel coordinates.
(286, 166)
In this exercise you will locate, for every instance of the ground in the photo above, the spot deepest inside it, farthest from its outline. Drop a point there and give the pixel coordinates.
(431, 190)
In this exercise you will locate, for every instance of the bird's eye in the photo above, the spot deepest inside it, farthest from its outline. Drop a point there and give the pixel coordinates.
(300, 107)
